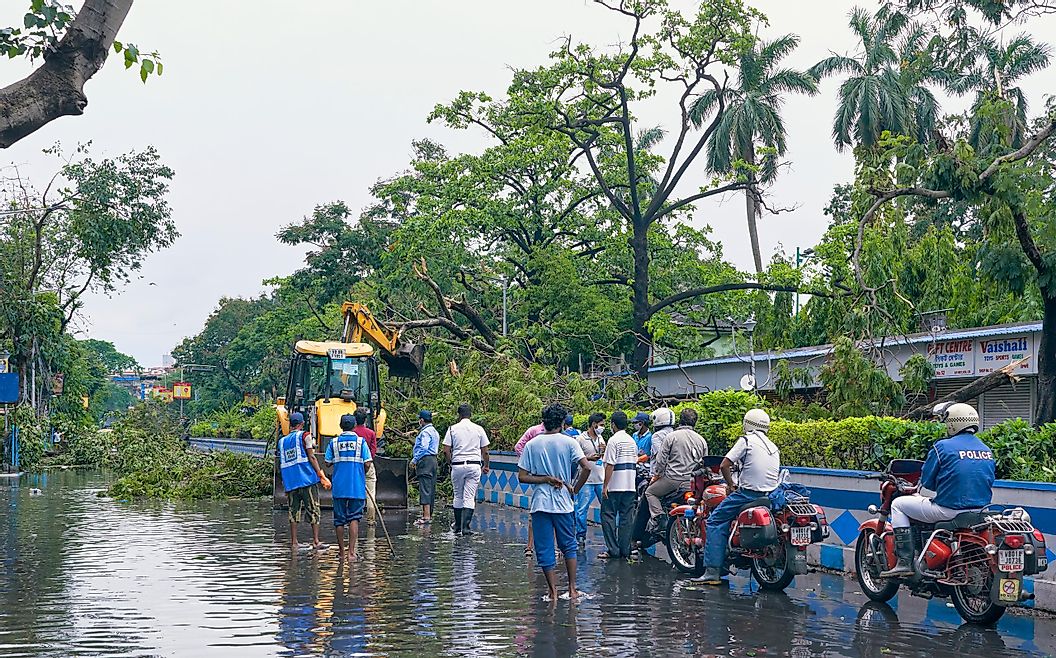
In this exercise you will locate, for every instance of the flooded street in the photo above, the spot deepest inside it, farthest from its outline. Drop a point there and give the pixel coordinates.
(89, 576)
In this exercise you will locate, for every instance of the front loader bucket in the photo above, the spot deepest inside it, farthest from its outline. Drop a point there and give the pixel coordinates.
(391, 488)
(392, 482)
(407, 361)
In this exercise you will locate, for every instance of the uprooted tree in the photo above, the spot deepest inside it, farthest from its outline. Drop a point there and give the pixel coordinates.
(1011, 193)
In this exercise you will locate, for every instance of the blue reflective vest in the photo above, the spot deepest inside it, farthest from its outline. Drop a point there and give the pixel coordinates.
(961, 472)
(349, 452)
(296, 470)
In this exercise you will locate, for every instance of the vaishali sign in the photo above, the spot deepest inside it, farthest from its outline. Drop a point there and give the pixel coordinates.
(996, 353)
(967, 357)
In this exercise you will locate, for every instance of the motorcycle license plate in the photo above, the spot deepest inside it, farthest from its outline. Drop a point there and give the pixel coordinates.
(1009, 561)
(1008, 589)
(801, 536)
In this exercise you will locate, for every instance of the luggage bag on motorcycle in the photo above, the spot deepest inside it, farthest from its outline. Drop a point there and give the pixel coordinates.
(756, 528)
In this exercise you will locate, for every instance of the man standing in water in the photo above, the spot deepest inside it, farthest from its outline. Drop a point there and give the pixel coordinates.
(547, 462)
(593, 446)
(372, 476)
(350, 455)
(423, 459)
(466, 448)
(301, 476)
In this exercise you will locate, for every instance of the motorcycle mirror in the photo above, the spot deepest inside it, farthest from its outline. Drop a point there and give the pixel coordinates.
(879, 454)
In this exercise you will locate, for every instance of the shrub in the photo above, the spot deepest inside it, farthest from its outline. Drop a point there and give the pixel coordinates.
(849, 443)
(1022, 452)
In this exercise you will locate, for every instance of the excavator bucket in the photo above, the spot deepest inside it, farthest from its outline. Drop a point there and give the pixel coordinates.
(406, 361)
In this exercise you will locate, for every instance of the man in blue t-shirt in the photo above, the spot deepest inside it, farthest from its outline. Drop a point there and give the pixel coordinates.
(350, 455)
(547, 462)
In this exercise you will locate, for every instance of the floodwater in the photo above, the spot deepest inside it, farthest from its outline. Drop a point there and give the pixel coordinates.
(89, 576)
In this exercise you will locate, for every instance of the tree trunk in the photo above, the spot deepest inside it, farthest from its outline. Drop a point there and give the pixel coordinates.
(1045, 411)
(971, 391)
(643, 340)
(56, 88)
(753, 215)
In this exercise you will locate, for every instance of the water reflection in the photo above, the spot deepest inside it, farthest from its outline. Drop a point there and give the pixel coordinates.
(84, 575)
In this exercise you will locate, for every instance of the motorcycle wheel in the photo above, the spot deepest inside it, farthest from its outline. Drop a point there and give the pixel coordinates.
(774, 572)
(685, 557)
(865, 566)
(972, 601)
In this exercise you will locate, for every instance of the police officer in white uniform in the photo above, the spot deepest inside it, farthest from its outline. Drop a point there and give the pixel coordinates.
(466, 448)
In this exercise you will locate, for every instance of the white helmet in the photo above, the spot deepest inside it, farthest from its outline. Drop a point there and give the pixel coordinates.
(958, 417)
(663, 417)
(756, 420)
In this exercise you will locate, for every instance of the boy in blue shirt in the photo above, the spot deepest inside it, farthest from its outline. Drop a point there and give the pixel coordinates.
(547, 462)
(350, 454)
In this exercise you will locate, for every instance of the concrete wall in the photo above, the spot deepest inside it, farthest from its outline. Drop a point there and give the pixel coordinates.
(844, 495)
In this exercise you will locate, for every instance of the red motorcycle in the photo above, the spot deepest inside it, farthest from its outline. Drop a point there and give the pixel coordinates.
(772, 544)
(978, 559)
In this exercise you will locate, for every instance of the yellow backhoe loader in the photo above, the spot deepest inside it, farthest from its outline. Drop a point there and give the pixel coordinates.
(328, 379)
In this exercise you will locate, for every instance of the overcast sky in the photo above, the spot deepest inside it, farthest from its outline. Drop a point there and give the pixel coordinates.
(270, 107)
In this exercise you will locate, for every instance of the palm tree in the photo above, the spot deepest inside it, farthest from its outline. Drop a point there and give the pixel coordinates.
(752, 117)
(886, 88)
(998, 68)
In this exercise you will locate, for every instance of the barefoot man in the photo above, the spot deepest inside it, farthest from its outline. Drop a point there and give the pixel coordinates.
(547, 462)
(301, 476)
(351, 457)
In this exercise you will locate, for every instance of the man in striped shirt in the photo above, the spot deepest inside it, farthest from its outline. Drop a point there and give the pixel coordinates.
(618, 493)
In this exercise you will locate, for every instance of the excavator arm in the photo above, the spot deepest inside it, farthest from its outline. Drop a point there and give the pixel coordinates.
(404, 359)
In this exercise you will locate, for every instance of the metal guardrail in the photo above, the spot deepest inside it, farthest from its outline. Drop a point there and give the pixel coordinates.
(246, 446)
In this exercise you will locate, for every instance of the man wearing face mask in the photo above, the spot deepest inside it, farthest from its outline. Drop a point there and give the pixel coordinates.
(593, 446)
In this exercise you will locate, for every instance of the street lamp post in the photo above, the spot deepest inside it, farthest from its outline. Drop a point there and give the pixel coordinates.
(749, 326)
(801, 257)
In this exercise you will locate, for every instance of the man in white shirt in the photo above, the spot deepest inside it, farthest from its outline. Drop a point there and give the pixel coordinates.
(593, 447)
(618, 492)
(466, 448)
(760, 473)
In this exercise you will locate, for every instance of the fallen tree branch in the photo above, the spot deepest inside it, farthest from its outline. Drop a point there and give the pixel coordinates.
(972, 390)
(724, 287)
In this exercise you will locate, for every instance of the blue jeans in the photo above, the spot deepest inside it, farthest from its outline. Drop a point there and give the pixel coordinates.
(546, 526)
(719, 522)
(588, 494)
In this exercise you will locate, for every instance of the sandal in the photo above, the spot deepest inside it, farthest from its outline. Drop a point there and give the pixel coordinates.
(528, 550)
(604, 556)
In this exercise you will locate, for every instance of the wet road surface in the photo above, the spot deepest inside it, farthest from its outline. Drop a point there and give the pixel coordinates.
(89, 576)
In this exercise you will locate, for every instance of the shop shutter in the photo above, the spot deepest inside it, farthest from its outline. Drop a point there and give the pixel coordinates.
(1006, 402)
(944, 387)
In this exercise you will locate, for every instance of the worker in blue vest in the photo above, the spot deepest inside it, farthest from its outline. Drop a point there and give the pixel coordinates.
(301, 476)
(350, 455)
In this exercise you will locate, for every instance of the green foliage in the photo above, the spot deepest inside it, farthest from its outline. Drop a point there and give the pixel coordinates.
(849, 443)
(32, 437)
(1023, 452)
(917, 373)
(855, 386)
(153, 462)
(237, 423)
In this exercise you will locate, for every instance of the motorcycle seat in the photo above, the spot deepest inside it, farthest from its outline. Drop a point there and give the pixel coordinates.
(758, 502)
(962, 520)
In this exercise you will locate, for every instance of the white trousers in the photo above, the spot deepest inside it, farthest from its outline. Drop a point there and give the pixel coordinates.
(920, 508)
(464, 480)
